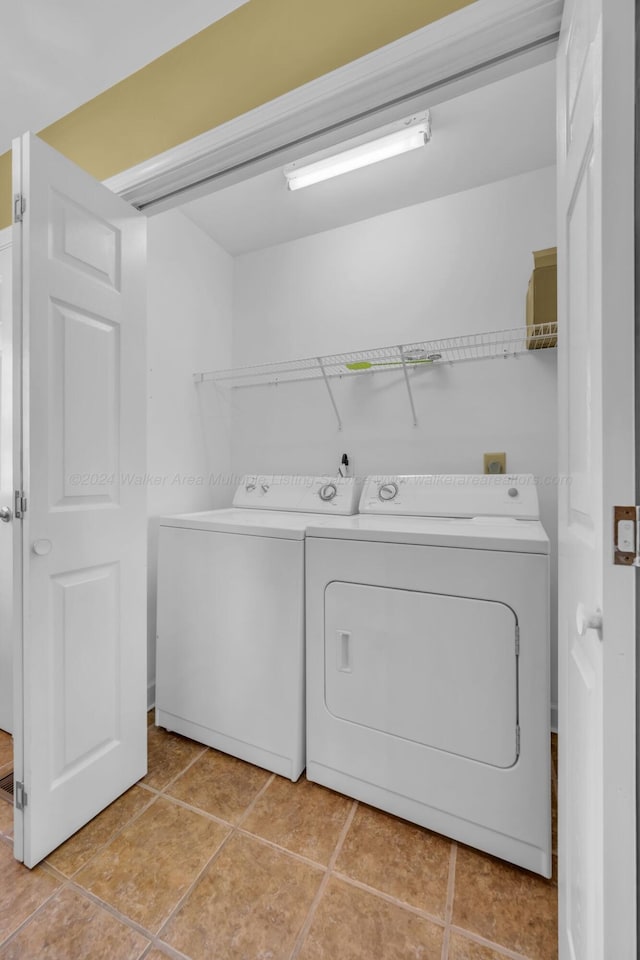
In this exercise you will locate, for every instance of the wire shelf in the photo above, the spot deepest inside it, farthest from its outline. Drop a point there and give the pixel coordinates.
(498, 344)
(405, 359)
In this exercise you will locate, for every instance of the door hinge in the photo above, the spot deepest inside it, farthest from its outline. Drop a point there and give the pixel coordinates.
(20, 505)
(21, 798)
(517, 639)
(517, 741)
(19, 207)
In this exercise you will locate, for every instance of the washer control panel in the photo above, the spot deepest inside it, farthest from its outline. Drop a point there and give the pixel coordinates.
(452, 495)
(339, 495)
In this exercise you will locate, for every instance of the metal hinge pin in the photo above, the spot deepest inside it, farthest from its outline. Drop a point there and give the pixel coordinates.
(19, 207)
(20, 795)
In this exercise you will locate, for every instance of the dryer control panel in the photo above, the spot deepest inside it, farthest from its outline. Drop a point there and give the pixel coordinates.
(326, 494)
(453, 495)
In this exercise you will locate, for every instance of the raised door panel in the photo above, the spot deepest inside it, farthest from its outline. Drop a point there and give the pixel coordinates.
(84, 668)
(84, 241)
(84, 412)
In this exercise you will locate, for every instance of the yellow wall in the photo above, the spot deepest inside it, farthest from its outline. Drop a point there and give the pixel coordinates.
(258, 52)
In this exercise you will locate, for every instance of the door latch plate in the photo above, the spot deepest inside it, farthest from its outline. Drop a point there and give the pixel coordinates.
(625, 536)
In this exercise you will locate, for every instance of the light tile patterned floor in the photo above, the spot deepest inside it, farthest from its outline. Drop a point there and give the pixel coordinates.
(209, 858)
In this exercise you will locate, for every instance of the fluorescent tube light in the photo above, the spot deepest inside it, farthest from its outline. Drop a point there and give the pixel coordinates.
(409, 135)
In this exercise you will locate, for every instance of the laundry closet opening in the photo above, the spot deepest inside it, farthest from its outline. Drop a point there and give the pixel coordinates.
(433, 244)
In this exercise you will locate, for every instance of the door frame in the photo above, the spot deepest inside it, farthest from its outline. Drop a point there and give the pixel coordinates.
(7, 240)
(6, 402)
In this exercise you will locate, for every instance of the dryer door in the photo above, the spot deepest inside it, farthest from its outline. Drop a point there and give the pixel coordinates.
(439, 670)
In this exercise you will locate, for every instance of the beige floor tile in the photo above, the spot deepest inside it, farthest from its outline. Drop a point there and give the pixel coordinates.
(151, 864)
(220, 785)
(6, 750)
(251, 903)
(462, 949)
(83, 845)
(168, 755)
(302, 817)
(156, 954)
(6, 819)
(21, 892)
(70, 927)
(351, 924)
(506, 905)
(151, 717)
(399, 858)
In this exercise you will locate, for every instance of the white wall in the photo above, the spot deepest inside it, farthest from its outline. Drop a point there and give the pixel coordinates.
(189, 306)
(456, 265)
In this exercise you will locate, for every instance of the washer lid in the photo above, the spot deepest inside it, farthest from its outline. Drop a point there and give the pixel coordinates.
(473, 533)
(251, 523)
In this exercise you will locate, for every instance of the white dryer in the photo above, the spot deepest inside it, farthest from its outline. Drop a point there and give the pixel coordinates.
(428, 659)
(230, 644)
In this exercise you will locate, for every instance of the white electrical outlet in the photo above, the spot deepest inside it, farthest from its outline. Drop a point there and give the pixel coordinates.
(495, 463)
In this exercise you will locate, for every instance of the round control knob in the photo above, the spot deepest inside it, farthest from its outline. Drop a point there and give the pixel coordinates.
(264, 487)
(388, 491)
(513, 491)
(250, 487)
(327, 492)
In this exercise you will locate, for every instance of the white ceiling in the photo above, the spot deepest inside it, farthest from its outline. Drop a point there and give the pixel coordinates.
(498, 131)
(57, 54)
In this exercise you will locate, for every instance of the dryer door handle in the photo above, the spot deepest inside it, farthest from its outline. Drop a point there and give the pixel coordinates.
(343, 638)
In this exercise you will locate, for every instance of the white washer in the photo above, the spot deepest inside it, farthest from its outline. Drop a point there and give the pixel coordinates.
(428, 659)
(230, 649)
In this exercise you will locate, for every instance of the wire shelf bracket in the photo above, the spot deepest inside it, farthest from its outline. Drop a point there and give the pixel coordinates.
(403, 361)
(330, 391)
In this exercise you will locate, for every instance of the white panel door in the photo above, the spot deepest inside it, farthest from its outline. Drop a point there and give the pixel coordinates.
(79, 293)
(597, 672)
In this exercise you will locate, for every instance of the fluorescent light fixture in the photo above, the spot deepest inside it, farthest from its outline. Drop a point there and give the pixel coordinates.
(389, 142)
